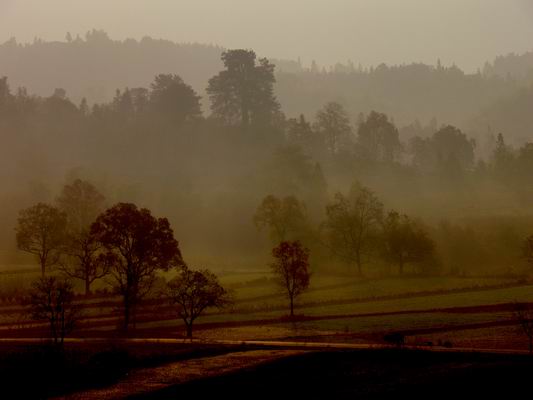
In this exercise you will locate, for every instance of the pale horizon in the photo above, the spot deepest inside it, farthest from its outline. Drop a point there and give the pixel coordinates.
(366, 33)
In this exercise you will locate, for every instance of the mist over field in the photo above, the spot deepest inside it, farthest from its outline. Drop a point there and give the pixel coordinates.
(341, 175)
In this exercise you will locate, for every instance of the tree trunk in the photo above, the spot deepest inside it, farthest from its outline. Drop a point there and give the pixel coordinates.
(87, 287)
(358, 263)
(292, 307)
(188, 327)
(126, 312)
(401, 267)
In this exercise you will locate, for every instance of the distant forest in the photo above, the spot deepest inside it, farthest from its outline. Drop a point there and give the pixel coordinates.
(495, 99)
(177, 129)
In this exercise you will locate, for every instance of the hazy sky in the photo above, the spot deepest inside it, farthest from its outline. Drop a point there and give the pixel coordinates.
(467, 32)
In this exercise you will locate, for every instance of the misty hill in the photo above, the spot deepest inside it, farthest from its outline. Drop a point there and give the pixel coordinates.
(516, 66)
(406, 92)
(96, 66)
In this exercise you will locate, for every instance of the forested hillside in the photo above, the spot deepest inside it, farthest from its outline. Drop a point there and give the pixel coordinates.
(95, 66)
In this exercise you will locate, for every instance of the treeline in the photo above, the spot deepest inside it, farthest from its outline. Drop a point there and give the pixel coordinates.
(207, 172)
(513, 66)
(124, 243)
(95, 65)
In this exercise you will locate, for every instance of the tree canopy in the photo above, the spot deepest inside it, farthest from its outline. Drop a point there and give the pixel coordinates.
(139, 245)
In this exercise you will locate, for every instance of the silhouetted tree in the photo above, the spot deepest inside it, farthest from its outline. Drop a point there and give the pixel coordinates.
(243, 94)
(405, 242)
(41, 232)
(352, 224)
(453, 146)
(448, 152)
(333, 124)
(291, 268)
(174, 99)
(83, 257)
(53, 300)
(195, 291)
(139, 245)
(300, 133)
(283, 217)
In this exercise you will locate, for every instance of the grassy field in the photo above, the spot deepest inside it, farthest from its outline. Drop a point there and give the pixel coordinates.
(363, 309)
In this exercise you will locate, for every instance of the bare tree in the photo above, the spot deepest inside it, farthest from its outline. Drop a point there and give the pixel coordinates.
(52, 300)
(282, 217)
(83, 259)
(291, 268)
(352, 224)
(195, 291)
(137, 245)
(41, 232)
(524, 316)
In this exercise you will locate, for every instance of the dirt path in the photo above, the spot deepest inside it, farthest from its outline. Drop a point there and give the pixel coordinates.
(151, 379)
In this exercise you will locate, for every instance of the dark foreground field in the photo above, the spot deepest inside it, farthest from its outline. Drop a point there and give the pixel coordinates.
(110, 370)
(368, 374)
(39, 371)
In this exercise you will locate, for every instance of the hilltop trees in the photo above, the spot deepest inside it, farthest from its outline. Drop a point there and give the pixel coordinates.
(378, 139)
(291, 268)
(138, 245)
(352, 225)
(333, 124)
(172, 98)
(448, 152)
(300, 133)
(41, 232)
(243, 93)
(195, 291)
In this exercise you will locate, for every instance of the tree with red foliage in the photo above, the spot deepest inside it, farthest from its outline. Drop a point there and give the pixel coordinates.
(139, 246)
(291, 269)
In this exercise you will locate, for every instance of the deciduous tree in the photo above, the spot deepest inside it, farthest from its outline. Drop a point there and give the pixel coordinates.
(83, 256)
(352, 225)
(405, 242)
(333, 124)
(283, 217)
(378, 139)
(139, 245)
(41, 232)
(195, 291)
(291, 268)
(53, 300)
